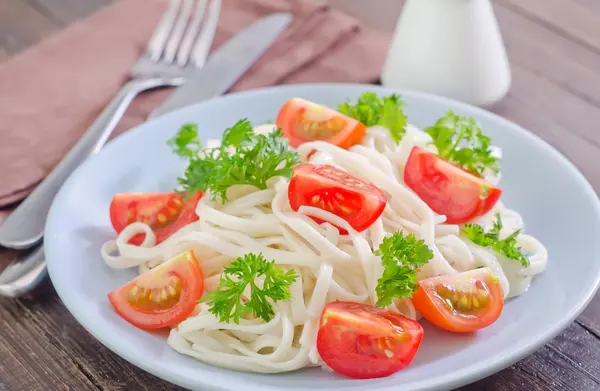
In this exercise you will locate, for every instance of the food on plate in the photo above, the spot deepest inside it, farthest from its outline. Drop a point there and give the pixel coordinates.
(323, 240)
(165, 213)
(356, 201)
(364, 342)
(463, 302)
(448, 189)
(163, 296)
(302, 121)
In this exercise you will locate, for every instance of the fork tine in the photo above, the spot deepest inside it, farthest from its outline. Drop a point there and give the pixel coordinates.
(183, 54)
(207, 34)
(178, 30)
(162, 31)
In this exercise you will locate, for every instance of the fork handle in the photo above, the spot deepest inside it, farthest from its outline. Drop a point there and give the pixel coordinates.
(25, 226)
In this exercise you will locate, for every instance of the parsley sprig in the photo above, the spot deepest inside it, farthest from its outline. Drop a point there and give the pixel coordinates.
(186, 143)
(507, 246)
(372, 110)
(400, 256)
(460, 140)
(255, 159)
(226, 301)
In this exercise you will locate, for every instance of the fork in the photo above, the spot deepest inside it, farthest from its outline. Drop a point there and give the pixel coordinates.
(178, 47)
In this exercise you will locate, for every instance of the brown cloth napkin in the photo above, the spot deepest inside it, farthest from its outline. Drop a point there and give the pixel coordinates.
(51, 93)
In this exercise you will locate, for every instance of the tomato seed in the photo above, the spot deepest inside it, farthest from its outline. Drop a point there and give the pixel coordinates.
(172, 291)
(161, 218)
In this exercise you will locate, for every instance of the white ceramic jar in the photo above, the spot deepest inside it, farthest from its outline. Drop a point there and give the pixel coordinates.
(451, 48)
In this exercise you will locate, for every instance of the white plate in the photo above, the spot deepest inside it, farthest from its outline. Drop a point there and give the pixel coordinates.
(558, 206)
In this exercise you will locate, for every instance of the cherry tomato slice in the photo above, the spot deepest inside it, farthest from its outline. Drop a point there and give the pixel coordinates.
(166, 213)
(448, 189)
(358, 202)
(302, 121)
(460, 303)
(364, 342)
(163, 296)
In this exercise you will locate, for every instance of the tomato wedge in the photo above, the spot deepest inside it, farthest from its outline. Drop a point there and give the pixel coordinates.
(166, 213)
(460, 303)
(358, 202)
(302, 121)
(448, 189)
(163, 296)
(365, 342)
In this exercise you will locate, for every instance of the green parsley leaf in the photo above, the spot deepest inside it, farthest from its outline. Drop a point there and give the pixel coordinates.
(507, 246)
(372, 110)
(255, 159)
(400, 256)
(226, 301)
(239, 134)
(460, 140)
(186, 143)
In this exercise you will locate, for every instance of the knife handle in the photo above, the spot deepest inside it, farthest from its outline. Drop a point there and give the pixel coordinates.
(24, 227)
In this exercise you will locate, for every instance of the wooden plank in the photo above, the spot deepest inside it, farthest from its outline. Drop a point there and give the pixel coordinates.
(582, 349)
(527, 113)
(566, 16)
(27, 362)
(21, 25)
(68, 11)
(571, 362)
(590, 319)
(49, 348)
(575, 114)
(549, 54)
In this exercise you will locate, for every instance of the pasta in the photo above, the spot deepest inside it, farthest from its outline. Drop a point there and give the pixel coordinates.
(330, 266)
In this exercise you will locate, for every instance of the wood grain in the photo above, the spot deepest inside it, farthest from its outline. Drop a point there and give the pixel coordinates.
(554, 49)
(547, 53)
(552, 367)
(573, 20)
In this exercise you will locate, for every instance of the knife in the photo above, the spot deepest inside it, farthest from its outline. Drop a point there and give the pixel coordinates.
(227, 64)
(223, 69)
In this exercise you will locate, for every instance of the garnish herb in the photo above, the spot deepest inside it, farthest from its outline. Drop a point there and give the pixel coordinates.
(255, 158)
(372, 110)
(274, 285)
(186, 143)
(460, 140)
(400, 256)
(507, 246)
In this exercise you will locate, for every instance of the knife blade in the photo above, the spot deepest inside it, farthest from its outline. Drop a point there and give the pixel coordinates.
(227, 64)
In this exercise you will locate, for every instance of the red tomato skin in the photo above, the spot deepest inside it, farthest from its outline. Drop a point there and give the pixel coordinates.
(121, 202)
(448, 189)
(192, 285)
(429, 306)
(295, 107)
(367, 203)
(338, 342)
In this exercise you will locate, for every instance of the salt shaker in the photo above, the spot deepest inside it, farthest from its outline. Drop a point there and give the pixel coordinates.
(451, 48)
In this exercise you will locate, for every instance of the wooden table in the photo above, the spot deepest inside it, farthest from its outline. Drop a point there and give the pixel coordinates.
(554, 48)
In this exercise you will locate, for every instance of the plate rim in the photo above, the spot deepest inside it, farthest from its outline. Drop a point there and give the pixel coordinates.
(455, 379)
